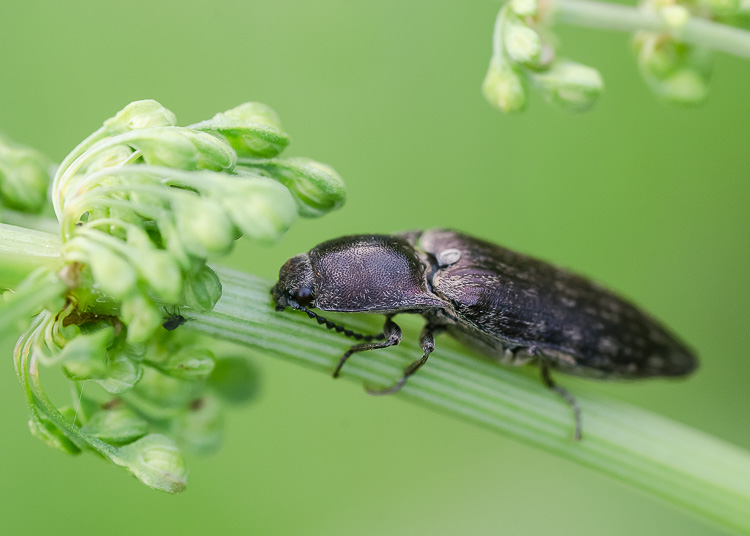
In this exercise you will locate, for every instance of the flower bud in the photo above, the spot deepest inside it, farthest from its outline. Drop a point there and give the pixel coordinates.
(160, 396)
(675, 71)
(202, 290)
(252, 129)
(85, 356)
(116, 426)
(24, 177)
(138, 115)
(203, 225)
(161, 272)
(43, 428)
(113, 274)
(112, 157)
(570, 85)
(122, 374)
(524, 8)
(503, 87)
(676, 16)
(260, 207)
(521, 42)
(182, 148)
(141, 316)
(156, 461)
(316, 187)
(189, 363)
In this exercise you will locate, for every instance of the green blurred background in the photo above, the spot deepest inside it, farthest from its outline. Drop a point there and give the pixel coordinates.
(649, 199)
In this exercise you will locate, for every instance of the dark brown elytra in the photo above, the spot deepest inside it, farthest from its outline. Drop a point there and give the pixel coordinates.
(508, 306)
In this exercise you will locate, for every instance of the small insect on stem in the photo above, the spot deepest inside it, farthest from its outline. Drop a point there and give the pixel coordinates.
(174, 320)
(509, 307)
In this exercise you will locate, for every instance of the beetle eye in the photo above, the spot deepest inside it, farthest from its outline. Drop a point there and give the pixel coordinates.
(303, 296)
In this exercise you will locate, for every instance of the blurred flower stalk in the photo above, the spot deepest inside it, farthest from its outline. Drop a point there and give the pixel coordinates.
(673, 42)
(141, 205)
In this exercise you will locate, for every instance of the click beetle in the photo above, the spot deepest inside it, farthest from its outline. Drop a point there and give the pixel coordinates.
(506, 305)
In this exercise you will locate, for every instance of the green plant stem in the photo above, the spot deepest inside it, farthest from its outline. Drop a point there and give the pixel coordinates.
(608, 16)
(22, 250)
(703, 475)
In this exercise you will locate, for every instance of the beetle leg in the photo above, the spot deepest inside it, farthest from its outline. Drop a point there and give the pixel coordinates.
(427, 341)
(570, 399)
(392, 334)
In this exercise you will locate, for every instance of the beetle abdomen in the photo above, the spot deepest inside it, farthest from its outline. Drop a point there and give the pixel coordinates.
(504, 299)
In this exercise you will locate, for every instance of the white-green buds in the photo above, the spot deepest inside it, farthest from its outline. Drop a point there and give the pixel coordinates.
(263, 209)
(504, 88)
(189, 363)
(203, 225)
(156, 461)
(202, 290)
(522, 43)
(570, 85)
(524, 8)
(143, 204)
(24, 177)
(116, 426)
(139, 115)
(252, 129)
(675, 71)
(522, 57)
(316, 188)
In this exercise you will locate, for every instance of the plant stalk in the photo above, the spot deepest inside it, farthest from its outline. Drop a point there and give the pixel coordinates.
(699, 473)
(696, 31)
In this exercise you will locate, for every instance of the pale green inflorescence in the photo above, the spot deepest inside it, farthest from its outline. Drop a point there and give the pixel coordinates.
(523, 58)
(674, 57)
(142, 205)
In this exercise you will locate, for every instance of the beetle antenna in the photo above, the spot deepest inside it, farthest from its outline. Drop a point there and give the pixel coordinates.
(339, 328)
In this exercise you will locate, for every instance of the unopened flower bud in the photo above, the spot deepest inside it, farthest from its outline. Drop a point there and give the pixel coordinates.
(503, 87)
(202, 290)
(156, 461)
(24, 177)
(570, 85)
(252, 129)
(85, 356)
(316, 187)
(521, 42)
(182, 148)
(141, 316)
(138, 115)
(122, 374)
(116, 426)
(261, 208)
(160, 271)
(112, 273)
(524, 8)
(203, 225)
(189, 363)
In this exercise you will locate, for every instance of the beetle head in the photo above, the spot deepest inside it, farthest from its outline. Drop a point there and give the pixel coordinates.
(296, 285)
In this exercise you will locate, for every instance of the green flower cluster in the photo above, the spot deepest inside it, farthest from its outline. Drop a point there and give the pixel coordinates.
(142, 204)
(522, 57)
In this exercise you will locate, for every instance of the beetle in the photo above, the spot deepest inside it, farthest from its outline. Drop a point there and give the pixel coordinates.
(174, 320)
(508, 306)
